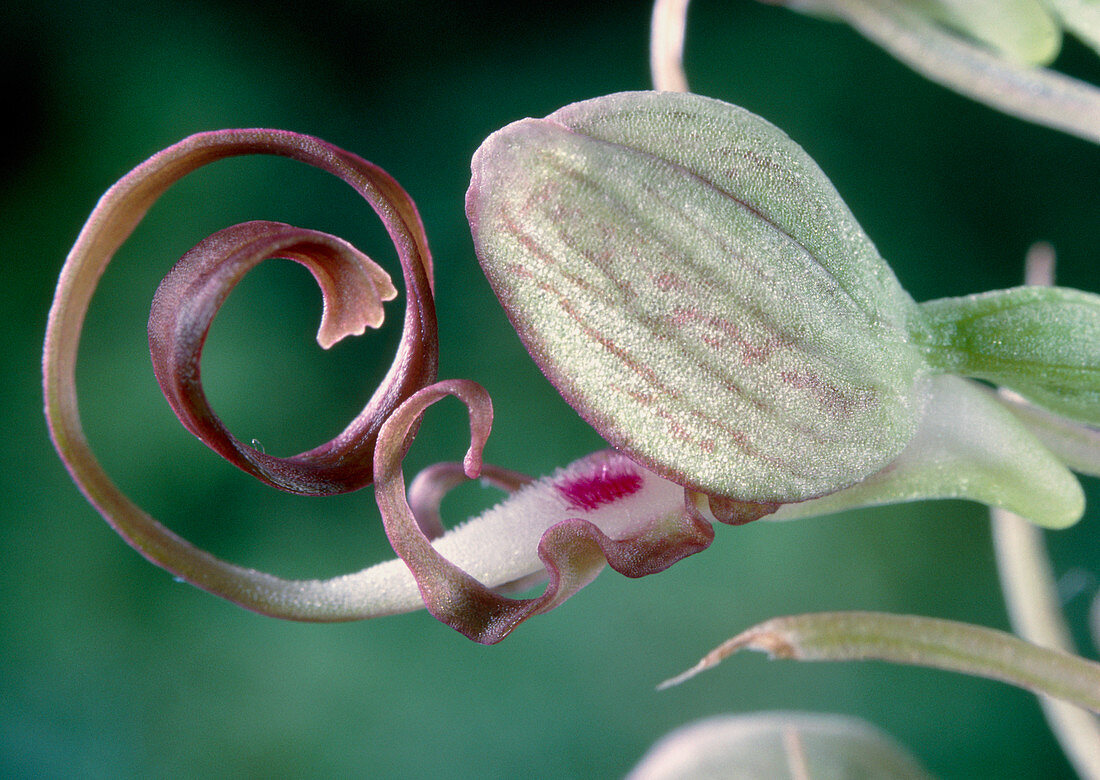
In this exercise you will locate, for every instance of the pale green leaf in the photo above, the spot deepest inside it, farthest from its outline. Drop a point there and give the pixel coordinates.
(968, 446)
(1075, 444)
(1022, 30)
(1042, 342)
(1080, 17)
(921, 641)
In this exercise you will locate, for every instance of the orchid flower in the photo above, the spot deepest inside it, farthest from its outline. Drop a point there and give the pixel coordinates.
(603, 507)
(993, 51)
(692, 284)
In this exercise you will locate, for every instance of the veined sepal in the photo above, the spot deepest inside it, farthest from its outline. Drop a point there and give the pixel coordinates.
(692, 284)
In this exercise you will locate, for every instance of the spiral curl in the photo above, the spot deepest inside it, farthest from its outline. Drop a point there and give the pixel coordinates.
(353, 288)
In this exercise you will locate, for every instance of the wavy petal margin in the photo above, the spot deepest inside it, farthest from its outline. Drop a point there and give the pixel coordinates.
(433, 483)
(343, 464)
(602, 509)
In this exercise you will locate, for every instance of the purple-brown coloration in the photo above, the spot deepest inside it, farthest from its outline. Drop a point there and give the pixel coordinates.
(572, 551)
(733, 512)
(189, 297)
(432, 484)
(352, 291)
(352, 285)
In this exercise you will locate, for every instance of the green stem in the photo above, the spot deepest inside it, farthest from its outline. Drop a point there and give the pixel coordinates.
(1031, 594)
(666, 46)
(921, 641)
(1034, 94)
(1032, 599)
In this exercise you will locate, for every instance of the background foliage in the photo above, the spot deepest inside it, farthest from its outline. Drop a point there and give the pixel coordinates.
(112, 669)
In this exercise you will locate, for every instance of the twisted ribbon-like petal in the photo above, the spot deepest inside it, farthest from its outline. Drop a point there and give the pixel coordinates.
(353, 288)
(432, 484)
(190, 295)
(183, 309)
(602, 509)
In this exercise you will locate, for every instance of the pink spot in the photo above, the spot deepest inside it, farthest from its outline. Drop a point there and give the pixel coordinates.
(666, 281)
(603, 486)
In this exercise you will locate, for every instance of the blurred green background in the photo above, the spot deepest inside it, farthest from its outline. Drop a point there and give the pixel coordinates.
(110, 668)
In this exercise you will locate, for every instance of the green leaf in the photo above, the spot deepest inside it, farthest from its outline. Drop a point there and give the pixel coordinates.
(1022, 30)
(694, 286)
(1075, 444)
(1043, 342)
(920, 641)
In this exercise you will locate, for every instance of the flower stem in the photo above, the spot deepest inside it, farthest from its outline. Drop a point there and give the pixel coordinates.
(1031, 594)
(1034, 94)
(666, 45)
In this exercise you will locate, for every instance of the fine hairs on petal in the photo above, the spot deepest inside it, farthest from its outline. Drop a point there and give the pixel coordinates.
(696, 289)
(603, 509)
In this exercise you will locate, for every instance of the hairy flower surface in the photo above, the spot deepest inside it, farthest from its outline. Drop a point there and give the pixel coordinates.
(694, 286)
(691, 282)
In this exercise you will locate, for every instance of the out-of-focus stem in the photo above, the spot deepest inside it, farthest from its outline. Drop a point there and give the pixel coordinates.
(1031, 593)
(666, 45)
(1032, 600)
(1031, 93)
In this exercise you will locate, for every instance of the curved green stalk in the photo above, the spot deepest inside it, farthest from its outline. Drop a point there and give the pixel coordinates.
(1034, 94)
(920, 641)
(1032, 599)
(1031, 594)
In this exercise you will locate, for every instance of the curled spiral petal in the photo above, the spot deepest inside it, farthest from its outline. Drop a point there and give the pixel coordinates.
(348, 280)
(340, 465)
(183, 309)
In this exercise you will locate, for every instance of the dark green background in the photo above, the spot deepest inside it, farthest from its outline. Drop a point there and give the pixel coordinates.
(110, 668)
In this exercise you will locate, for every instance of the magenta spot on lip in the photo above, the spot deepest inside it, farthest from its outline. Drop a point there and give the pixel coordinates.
(603, 486)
